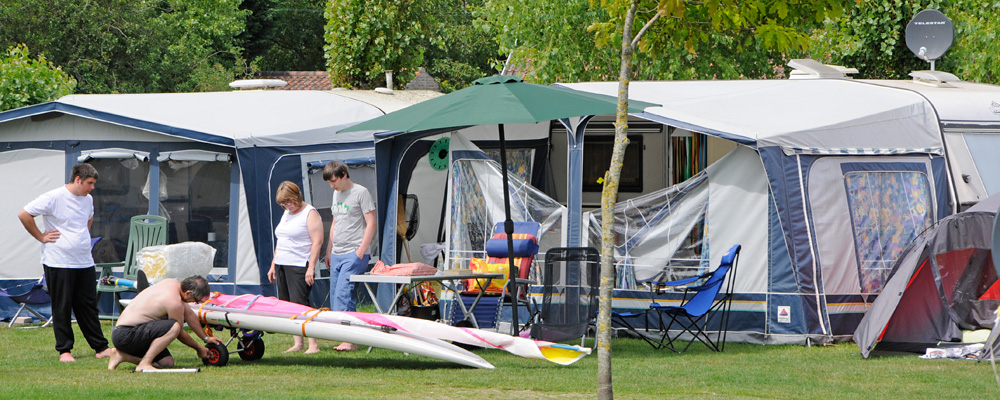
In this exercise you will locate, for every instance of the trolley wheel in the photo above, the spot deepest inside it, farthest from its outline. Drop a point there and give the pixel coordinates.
(218, 355)
(253, 349)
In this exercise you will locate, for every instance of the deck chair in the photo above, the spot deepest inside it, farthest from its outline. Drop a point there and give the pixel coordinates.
(712, 295)
(570, 282)
(27, 295)
(525, 250)
(144, 231)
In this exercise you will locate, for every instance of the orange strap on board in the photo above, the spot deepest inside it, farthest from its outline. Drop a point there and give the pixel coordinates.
(315, 312)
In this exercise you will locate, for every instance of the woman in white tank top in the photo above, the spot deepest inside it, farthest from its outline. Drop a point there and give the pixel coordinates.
(299, 240)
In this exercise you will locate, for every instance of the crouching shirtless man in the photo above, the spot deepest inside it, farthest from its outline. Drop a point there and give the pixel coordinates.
(156, 317)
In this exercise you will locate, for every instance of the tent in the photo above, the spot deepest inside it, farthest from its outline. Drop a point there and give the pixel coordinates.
(830, 180)
(945, 283)
(213, 161)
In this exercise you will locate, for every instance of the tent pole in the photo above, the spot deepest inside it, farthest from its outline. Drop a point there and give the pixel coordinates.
(508, 227)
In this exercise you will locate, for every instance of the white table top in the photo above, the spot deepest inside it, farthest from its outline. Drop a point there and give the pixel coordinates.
(412, 279)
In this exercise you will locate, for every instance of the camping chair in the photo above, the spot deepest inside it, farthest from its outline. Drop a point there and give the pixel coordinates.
(693, 315)
(570, 282)
(144, 231)
(35, 295)
(525, 249)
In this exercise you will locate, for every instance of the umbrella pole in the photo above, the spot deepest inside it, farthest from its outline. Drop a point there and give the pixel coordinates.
(508, 226)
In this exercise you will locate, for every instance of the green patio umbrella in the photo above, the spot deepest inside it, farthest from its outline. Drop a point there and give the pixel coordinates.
(497, 100)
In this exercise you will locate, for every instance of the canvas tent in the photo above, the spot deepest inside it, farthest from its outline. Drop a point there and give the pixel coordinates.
(945, 283)
(830, 181)
(213, 161)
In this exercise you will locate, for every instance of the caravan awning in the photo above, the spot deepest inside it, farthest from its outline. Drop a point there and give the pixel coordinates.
(234, 119)
(814, 115)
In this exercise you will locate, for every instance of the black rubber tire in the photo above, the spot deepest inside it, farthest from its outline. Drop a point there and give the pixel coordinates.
(218, 355)
(253, 349)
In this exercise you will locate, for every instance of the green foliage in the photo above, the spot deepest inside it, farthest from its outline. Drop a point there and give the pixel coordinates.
(131, 46)
(871, 38)
(296, 36)
(976, 53)
(460, 49)
(365, 38)
(256, 39)
(573, 40)
(25, 81)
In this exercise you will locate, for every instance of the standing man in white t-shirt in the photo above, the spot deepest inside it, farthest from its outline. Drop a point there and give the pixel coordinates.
(69, 267)
(351, 233)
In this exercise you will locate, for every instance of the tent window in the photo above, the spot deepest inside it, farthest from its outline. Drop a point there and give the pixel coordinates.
(320, 194)
(518, 161)
(888, 209)
(597, 157)
(194, 196)
(118, 196)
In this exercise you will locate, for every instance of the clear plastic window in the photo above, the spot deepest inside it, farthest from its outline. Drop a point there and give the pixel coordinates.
(888, 209)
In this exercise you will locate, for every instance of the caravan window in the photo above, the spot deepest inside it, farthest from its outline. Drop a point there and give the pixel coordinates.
(888, 209)
(194, 196)
(119, 195)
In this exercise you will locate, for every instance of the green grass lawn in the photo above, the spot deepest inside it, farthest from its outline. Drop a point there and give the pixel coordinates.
(29, 369)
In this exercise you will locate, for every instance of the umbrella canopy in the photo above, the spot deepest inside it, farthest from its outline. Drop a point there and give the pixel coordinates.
(497, 100)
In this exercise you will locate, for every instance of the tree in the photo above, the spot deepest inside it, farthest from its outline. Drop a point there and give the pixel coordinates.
(132, 46)
(773, 25)
(871, 38)
(366, 38)
(460, 48)
(25, 81)
(258, 36)
(574, 40)
(296, 37)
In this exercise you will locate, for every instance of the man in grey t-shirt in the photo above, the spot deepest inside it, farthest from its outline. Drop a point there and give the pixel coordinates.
(351, 233)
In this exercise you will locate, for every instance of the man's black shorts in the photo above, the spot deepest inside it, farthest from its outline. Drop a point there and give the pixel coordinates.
(135, 340)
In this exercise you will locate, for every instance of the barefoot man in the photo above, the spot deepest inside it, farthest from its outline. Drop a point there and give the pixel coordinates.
(68, 212)
(351, 231)
(156, 317)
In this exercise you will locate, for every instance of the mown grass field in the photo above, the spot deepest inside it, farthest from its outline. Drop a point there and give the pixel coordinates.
(29, 370)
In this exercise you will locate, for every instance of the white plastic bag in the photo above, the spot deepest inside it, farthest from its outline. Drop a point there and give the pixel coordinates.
(177, 261)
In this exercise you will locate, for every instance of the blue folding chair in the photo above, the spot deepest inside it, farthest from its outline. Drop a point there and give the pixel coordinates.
(36, 294)
(693, 315)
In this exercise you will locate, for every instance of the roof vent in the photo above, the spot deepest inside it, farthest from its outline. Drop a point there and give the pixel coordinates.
(257, 84)
(934, 78)
(805, 68)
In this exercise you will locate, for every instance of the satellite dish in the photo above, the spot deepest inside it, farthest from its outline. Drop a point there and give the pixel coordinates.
(929, 35)
(438, 155)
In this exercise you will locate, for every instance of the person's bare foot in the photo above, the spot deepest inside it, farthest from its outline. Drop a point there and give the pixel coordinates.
(114, 359)
(346, 347)
(293, 349)
(141, 367)
(312, 350)
(104, 354)
(66, 357)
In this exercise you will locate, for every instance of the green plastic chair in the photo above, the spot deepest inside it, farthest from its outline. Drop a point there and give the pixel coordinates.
(144, 231)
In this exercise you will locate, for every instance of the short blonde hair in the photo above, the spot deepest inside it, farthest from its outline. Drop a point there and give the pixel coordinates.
(288, 191)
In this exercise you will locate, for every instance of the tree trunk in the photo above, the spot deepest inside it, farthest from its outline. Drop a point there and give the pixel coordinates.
(609, 198)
